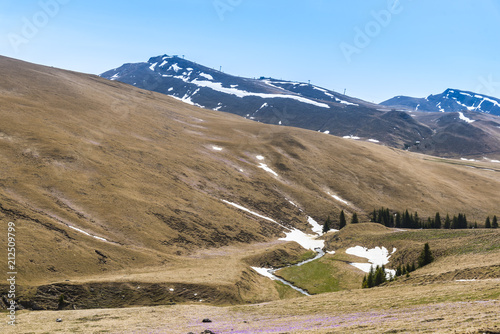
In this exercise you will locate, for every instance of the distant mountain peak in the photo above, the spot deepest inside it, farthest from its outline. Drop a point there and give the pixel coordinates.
(451, 100)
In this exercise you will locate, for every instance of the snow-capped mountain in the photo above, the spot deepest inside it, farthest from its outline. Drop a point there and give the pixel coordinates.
(315, 108)
(271, 101)
(451, 100)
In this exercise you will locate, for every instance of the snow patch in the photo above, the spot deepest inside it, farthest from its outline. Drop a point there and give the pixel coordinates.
(171, 89)
(373, 140)
(305, 240)
(252, 212)
(86, 233)
(175, 67)
(267, 169)
(316, 228)
(264, 272)
(351, 137)
(217, 86)
(377, 256)
(326, 132)
(152, 67)
(216, 148)
(260, 157)
(463, 118)
(206, 76)
(339, 199)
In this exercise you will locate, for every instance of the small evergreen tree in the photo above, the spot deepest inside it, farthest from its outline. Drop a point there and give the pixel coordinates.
(342, 221)
(487, 224)
(437, 221)
(354, 219)
(426, 256)
(447, 222)
(494, 223)
(327, 225)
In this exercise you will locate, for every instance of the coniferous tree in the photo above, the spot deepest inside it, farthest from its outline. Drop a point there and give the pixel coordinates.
(437, 221)
(487, 224)
(413, 266)
(354, 219)
(494, 223)
(447, 222)
(327, 225)
(398, 220)
(425, 257)
(342, 221)
(475, 224)
(416, 220)
(374, 216)
(370, 278)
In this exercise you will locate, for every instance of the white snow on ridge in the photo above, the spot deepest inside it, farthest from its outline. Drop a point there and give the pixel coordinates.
(152, 67)
(86, 233)
(463, 118)
(216, 148)
(252, 212)
(217, 86)
(267, 169)
(260, 157)
(347, 103)
(115, 76)
(326, 132)
(206, 76)
(174, 67)
(351, 137)
(339, 199)
(465, 159)
(373, 140)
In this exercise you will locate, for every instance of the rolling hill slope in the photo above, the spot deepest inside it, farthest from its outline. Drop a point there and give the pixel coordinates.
(110, 183)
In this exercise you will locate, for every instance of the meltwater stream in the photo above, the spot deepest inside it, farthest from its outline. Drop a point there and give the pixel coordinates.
(319, 254)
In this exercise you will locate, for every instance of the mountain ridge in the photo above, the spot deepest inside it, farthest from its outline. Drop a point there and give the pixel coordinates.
(307, 106)
(451, 100)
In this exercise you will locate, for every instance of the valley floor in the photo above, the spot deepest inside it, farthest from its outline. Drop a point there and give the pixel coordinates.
(438, 307)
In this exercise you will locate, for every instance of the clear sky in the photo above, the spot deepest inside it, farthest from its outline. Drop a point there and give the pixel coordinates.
(376, 49)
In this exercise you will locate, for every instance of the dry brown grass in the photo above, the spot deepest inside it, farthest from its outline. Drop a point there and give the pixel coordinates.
(139, 169)
(453, 307)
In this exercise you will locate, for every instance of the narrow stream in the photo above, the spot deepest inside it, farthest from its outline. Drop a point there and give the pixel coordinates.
(319, 254)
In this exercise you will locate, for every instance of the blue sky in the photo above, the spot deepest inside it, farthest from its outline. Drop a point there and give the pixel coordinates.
(375, 49)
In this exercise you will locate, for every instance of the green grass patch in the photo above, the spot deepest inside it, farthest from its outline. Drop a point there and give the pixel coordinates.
(327, 274)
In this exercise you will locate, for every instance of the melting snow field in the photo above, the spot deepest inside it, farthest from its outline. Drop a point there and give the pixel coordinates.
(316, 228)
(351, 137)
(377, 256)
(305, 240)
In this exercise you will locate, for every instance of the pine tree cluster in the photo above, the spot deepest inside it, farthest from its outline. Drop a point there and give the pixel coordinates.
(375, 277)
(491, 224)
(412, 220)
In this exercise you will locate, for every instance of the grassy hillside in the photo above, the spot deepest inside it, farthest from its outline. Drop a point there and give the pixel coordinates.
(82, 157)
(454, 294)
